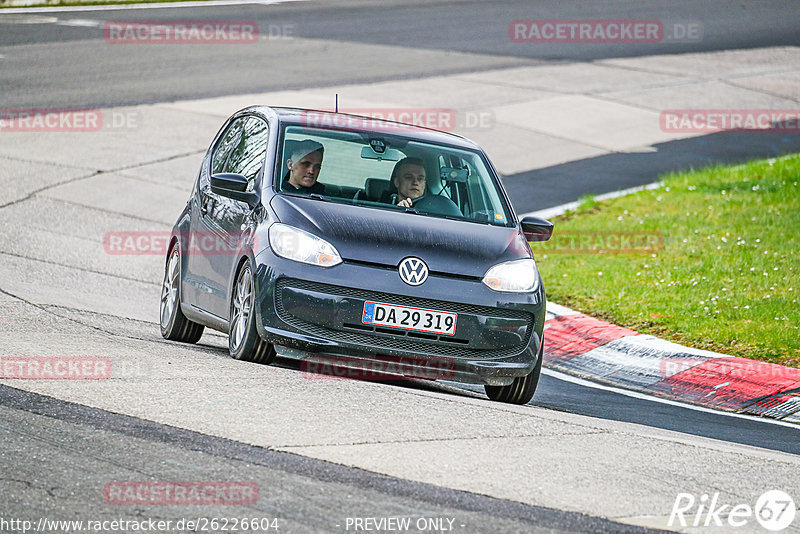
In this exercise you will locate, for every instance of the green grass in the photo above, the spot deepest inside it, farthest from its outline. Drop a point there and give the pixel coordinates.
(723, 276)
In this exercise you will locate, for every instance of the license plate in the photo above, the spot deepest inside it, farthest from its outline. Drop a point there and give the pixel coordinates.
(408, 318)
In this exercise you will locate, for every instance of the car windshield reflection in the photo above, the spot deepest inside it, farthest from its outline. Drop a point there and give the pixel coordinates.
(389, 172)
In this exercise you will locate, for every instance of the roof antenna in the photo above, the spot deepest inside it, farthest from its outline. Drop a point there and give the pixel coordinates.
(337, 103)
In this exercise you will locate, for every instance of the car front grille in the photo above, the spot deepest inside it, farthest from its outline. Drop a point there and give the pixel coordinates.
(377, 338)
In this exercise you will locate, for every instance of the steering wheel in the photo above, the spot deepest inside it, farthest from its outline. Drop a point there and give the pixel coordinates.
(436, 204)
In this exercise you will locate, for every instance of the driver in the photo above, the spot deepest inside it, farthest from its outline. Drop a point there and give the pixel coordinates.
(304, 164)
(408, 177)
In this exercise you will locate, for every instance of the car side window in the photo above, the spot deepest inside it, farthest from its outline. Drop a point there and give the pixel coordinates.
(247, 156)
(227, 143)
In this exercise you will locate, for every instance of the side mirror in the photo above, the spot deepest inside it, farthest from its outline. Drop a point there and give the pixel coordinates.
(234, 186)
(536, 228)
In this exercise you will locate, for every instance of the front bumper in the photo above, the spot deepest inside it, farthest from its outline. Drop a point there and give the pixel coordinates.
(318, 310)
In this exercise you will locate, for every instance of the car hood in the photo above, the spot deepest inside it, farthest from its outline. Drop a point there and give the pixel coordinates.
(385, 237)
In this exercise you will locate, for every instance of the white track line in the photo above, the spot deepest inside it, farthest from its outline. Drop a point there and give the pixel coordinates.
(81, 23)
(560, 210)
(165, 5)
(643, 396)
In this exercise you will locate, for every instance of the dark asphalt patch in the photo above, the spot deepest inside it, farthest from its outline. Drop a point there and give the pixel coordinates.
(426, 495)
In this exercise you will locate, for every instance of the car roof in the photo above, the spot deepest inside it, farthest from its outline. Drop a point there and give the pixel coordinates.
(346, 121)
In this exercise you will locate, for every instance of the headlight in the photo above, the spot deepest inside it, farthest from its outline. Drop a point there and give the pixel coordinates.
(517, 276)
(295, 244)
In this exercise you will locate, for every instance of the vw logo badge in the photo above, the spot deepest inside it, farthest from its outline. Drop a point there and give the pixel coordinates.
(413, 271)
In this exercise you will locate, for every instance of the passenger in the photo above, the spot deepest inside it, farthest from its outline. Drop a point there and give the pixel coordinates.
(408, 177)
(304, 164)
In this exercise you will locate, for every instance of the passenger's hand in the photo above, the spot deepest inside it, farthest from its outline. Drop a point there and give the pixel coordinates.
(406, 203)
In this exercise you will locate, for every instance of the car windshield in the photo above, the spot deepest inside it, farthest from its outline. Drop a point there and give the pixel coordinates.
(389, 171)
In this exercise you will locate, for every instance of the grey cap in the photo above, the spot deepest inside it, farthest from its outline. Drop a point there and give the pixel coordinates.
(303, 148)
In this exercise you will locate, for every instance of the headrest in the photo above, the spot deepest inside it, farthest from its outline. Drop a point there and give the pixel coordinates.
(376, 188)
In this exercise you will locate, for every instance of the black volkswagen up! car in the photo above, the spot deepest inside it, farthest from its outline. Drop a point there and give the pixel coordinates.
(372, 244)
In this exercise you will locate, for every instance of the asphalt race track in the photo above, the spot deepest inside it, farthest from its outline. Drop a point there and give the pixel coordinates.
(352, 41)
(323, 453)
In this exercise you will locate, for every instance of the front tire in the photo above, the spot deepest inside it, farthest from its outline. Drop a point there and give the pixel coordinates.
(244, 343)
(174, 324)
(521, 390)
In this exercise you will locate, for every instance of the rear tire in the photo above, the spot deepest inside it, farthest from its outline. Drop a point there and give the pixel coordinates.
(521, 390)
(244, 343)
(174, 324)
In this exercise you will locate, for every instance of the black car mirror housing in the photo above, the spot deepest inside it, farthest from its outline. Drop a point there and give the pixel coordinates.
(536, 228)
(232, 185)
